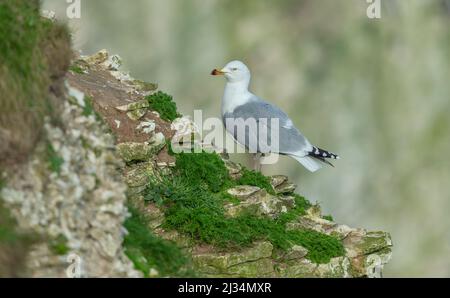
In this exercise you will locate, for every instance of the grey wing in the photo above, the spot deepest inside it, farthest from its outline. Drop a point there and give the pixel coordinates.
(284, 140)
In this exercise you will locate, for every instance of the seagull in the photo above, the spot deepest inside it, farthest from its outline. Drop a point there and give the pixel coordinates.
(239, 103)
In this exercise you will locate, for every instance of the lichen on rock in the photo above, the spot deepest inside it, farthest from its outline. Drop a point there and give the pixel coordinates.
(250, 262)
(256, 201)
(134, 152)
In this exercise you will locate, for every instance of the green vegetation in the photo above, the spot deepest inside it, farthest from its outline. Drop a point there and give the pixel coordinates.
(2, 181)
(328, 217)
(148, 251)
(54, 160)
(59, 245)
(164, 105)
(193, 201)
(208, 170)
(203, 169)
(76, 69)
(79, 67)
(13, 245)
(255, 178)
(20, 30)
(88, 108)
(7, 226)
(28, 43)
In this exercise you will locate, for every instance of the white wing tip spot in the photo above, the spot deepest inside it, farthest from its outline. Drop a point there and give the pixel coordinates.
(288, 124)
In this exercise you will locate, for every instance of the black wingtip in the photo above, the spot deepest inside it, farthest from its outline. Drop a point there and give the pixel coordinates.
(322, 155)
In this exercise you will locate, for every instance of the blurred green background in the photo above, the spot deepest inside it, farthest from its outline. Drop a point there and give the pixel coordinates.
(375, 91)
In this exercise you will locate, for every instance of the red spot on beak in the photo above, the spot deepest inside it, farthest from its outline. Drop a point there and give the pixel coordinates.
(217, 72)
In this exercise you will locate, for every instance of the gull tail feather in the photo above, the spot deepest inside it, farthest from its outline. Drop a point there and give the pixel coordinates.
(308, 162)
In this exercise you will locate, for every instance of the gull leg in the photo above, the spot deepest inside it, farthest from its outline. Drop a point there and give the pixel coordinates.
(257, 162)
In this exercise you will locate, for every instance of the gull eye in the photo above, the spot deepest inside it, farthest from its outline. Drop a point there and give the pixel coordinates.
(234, 69)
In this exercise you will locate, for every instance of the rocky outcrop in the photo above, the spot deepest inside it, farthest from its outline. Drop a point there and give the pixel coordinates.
(80, 200)
(366, 252)
(255, 200)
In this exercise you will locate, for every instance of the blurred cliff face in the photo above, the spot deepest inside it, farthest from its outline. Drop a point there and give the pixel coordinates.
(375, 91)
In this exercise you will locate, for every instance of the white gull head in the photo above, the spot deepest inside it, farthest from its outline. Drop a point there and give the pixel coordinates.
(235, 72)
(236, 92)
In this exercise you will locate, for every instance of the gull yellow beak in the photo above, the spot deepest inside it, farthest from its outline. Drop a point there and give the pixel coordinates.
(217, 72)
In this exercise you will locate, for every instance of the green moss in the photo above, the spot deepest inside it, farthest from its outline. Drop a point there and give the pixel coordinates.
(321, 248)
(14, 245)
(2, 181)
(164, 105)
(79, 67)
(328, 217)
(301, 205)
(203, 169)
(34, 52)
(209, 170)
(229, 198)
(88, 108)
(148, 251)
(59, 246)
(23, 33)
(193, 202)
(54, 160)
(76, 69)
(19, 35)
(7, 227)
(254, 178)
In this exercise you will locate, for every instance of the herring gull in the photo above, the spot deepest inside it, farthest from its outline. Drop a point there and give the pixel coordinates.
(239, 103)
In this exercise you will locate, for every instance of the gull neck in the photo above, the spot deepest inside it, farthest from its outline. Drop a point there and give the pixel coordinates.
(238, 86)
(236, 94)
